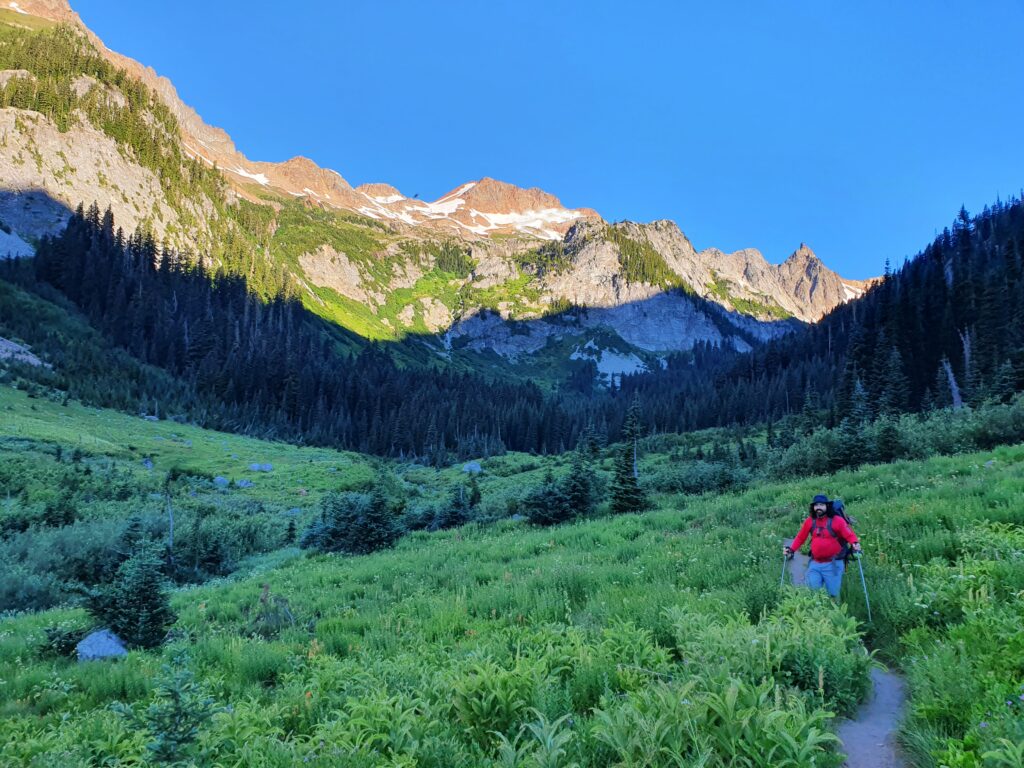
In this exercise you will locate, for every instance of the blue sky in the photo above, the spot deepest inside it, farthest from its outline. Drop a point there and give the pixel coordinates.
(858, 128)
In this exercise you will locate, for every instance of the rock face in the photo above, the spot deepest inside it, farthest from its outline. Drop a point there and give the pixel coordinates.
(46, 173)
(814, 285)
(329, 268)
(18, 353)
(102, 644)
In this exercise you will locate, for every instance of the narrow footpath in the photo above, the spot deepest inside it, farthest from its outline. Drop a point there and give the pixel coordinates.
(869, 740)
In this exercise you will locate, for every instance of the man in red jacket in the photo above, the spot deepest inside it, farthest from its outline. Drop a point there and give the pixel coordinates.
(830, 535)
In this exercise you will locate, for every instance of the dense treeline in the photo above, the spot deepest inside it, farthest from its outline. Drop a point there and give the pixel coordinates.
(273, 366)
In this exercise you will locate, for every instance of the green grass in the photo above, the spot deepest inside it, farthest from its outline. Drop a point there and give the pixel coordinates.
(422, 655)
(14, 19)
(99, 432)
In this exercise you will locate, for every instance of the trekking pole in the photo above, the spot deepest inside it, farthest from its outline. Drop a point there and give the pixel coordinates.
(864, 584)
(782, 581)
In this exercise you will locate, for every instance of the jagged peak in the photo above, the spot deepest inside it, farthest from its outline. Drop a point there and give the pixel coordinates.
(804, 260)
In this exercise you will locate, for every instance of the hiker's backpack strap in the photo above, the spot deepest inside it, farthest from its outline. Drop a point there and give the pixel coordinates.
(846, 551)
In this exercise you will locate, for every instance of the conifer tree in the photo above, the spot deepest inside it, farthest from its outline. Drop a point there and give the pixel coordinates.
(578, 486)
(631, 432)
(895, 387)
(136, 605)
(627, 495)
(548, 503)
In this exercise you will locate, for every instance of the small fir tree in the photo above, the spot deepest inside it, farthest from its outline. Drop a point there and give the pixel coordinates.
(136, 605)
(627, 495)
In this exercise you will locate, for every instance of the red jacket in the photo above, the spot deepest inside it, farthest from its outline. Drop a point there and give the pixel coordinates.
(824, 547)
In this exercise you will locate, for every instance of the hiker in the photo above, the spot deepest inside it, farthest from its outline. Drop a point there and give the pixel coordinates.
(832, 539)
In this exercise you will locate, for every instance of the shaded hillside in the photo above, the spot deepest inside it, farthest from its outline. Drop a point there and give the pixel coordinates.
(947, 325)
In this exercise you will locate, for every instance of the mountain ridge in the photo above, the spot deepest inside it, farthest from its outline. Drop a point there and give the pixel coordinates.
(386, 265)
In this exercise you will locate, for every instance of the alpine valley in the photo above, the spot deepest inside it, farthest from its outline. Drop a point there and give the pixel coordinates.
(300, 473)
(490, 277)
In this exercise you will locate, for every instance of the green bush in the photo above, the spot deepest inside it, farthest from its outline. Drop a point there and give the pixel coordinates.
(353, 523)
(136, 606)
(696, 477)
(61, 639)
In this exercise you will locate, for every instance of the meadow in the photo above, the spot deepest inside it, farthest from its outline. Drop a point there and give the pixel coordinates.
(660, 639)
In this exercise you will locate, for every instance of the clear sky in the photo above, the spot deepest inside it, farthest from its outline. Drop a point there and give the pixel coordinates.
(856, 127)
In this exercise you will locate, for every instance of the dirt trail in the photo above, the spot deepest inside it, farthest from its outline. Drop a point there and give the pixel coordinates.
(869, 740)
(798, 568)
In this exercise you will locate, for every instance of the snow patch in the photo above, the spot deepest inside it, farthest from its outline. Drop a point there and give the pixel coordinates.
(850, 292)
(529, 222)
(259, 178)
(388, 200)
(458, 192)
(611, 364)
(17, 9)
(196, 154)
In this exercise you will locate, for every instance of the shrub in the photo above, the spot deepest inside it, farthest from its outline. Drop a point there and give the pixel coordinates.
(136, 606)
(354, 523)
(62, 638)
(696, 477)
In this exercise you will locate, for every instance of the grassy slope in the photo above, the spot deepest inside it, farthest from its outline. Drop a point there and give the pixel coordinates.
(412, 653)
(23, 21)
(197, 451)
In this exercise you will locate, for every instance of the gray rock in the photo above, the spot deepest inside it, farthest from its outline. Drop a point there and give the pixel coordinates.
(101, 644)
(267, 467)
(221, 482)
(11, 351)
(245, 484)
(147, 463)
(254, 467)
(472, 467)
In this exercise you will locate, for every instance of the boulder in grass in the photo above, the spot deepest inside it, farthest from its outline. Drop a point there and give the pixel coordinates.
(267, 467)
(254, 467)
(101, 644)
(221, 482)
(472, 467)
(245, 484)
(147, 463)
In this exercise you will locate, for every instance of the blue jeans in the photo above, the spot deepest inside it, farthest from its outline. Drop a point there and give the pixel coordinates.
(827, 575)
